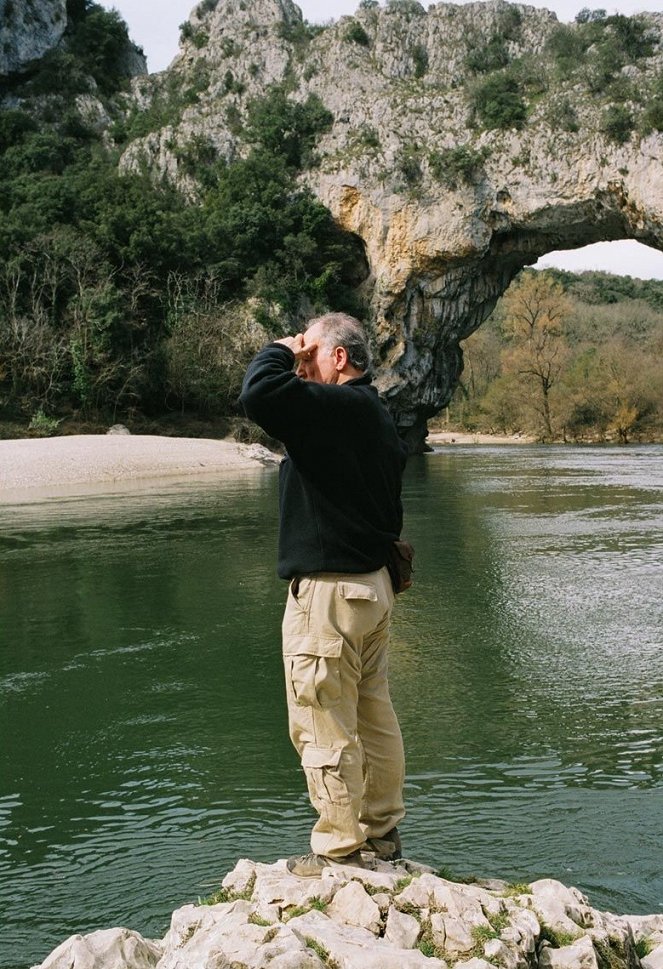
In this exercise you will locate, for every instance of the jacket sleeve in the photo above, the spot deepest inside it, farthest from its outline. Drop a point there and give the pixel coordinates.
(273, 396)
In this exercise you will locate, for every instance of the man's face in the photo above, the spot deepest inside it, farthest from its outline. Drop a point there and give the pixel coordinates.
(319, 365)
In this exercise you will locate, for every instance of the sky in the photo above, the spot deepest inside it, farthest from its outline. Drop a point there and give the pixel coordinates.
(154, 26)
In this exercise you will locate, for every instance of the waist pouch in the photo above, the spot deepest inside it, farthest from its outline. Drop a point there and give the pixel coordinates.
(399, 564)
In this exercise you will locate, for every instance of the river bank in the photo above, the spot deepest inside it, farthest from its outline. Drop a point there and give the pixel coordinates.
(436, 438)
(45, 465)
(400, 916)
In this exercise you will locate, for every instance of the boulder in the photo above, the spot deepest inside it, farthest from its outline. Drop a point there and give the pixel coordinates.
(106, 949)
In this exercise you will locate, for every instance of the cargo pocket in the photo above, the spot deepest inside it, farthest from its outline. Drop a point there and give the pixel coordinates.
(325, 784)
(357, 590)
(314, 670)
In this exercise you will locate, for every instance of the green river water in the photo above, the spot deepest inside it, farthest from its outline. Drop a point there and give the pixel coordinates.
(143, 724)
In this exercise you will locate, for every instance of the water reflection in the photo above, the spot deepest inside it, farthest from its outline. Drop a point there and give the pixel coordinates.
(141, 696)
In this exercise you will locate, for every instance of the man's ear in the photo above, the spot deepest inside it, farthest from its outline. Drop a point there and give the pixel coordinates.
(340, 358)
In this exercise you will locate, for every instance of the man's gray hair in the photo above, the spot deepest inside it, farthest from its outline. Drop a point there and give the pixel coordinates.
(342, 330)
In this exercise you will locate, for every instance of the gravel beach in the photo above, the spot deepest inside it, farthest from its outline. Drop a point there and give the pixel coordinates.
(84, 459)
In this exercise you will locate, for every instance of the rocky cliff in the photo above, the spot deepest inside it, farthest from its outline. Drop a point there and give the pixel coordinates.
(467, 141)
(31, 29)
(28, 29)
(401, 916)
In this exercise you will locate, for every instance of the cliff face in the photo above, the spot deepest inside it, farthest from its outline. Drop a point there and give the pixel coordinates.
(28, 29)
(452, 185)
(32, 29)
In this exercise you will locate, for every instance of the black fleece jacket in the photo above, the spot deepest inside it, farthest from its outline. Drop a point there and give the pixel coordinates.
(340, 483)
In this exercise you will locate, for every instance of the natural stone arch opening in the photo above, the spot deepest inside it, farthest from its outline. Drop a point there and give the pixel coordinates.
(421, 355)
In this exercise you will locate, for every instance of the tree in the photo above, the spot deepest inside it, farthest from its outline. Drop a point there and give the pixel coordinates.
(536, 310)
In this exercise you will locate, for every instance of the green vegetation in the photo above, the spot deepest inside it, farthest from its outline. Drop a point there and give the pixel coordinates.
(557, 939)
(492, 55)
(452, 876)
(517, 888)
(617, 123)
(420, 59)
(227, 895)
(597, 46)
(652, 118)
(482, 934)
(356, 34)
(643, 947)
(452, 166)
(319, 949)
(498, 921)
(117, 295)
(170, 96)
(498, 102)
(42, 425)
(428, 948)
(408, 164)
(567, 357)
(197, 36)
(562, 114)
(256, 919)
(408, 7)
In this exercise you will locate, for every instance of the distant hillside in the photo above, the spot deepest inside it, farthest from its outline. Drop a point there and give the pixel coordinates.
(596, 338)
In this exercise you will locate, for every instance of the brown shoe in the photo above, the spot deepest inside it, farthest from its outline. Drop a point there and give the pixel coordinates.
(386, 848)
(312, 865)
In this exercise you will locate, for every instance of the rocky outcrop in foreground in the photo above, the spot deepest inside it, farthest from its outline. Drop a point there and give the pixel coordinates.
(401, 916)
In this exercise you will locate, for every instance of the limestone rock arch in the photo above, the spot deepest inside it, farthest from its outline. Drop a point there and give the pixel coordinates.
(579, 160)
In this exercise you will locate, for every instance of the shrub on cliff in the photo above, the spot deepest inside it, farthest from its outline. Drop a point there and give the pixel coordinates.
(498, 103)
(356, 34)
(617, 123)
(452, 166)
(599, 46)
(287, 128)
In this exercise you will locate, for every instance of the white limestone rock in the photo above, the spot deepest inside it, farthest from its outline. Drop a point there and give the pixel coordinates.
(355, 948)
(402, 930)
(559, 907)
(523, 930)
(654, 960)
(438, 930)
(353, 905)
(189, 919)
(106, 949)
(458, 936)
(642, 926)
(475, 963)
(226, 933)
(274, 885)
(580, 955)
(28, 31)
(383, 901)
(504, 954)
(262, 931)
(242, 875)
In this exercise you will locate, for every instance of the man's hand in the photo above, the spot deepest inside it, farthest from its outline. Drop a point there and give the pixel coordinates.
(296, 343)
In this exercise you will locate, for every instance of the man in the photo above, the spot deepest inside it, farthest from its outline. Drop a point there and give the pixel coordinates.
(340, 512)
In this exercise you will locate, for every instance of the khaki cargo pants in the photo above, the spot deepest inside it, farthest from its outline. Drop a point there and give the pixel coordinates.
(342, 722)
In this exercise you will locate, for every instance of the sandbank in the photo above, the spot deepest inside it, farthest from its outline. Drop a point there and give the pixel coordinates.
(436, 438)
(49, 464)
